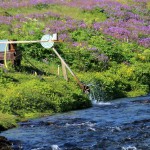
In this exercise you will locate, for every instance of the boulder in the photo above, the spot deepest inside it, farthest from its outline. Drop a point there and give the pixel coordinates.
(5, 144)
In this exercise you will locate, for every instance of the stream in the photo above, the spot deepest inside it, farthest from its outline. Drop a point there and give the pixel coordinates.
(122, 124)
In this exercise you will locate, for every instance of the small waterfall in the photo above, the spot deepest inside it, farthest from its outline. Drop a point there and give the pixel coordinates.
(55, 147)
(98, 95)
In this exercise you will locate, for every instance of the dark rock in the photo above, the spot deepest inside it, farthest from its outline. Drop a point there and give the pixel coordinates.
(5, 144)
(141, 121)
(70, 145)
(2, 128)
(142, 101)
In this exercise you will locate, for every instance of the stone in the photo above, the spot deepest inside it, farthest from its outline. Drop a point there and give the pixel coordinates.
(5, 144)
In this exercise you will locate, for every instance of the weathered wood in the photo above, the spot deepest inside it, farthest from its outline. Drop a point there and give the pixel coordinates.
(12, 54)
(58, 71)
(9, 56)
(64, 71)
(82, 86)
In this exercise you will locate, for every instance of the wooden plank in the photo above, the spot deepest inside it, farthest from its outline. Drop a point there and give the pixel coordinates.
(9, 56)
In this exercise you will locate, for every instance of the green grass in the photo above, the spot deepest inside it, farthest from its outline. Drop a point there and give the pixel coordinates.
(35, 89)
(78, 14)
(32, 92)
(64, 11)
(7, 121)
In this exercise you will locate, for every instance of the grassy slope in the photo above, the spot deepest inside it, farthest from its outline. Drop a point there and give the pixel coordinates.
(35, 92)
(64, 11)
(27, 75)
(8, 120)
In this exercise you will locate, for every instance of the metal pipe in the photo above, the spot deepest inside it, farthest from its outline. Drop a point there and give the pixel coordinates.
(37, 41)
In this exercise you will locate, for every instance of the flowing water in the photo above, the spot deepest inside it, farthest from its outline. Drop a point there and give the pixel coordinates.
(123, 124)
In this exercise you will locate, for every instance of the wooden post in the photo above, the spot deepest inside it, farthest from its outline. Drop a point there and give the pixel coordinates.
(58, 71)
(82, 86)
(64, 71)
(5, 56)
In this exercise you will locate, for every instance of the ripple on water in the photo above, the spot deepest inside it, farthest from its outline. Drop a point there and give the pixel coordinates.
(117, 125)
(129, 148)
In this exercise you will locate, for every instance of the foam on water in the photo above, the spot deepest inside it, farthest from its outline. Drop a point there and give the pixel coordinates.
(129, 148)
(55, 147)
(89, 124)
(95, 102)
(37, 148)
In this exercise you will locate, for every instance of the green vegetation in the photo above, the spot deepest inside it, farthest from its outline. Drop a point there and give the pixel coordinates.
(115, 66)
(32, 92)
(7, 121)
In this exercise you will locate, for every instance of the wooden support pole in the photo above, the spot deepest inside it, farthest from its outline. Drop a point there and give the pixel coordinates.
(5, 56)
(64, 71)
(58, 71)
(82, 86)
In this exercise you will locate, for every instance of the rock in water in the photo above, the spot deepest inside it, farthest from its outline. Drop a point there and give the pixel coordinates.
(5, 144)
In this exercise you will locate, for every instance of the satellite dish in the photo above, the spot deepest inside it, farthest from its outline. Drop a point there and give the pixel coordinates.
(47, 41)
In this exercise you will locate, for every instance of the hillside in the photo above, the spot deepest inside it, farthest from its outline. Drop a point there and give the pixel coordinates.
(106, 43)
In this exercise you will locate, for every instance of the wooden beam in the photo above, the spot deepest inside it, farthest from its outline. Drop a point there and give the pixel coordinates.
(64, 71)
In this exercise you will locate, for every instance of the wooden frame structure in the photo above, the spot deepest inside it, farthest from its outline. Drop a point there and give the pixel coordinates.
(47, 41)
(10, 52)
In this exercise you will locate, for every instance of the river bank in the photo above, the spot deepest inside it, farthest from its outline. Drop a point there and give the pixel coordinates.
(114, 62)
(119, 124)
(25, 95)
(7, 121)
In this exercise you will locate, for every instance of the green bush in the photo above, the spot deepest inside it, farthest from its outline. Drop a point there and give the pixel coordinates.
(7, 121)
(35, 95)
(123, 72)
(119, 81)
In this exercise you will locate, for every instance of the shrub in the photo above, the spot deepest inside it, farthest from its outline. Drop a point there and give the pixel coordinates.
(37, 95)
